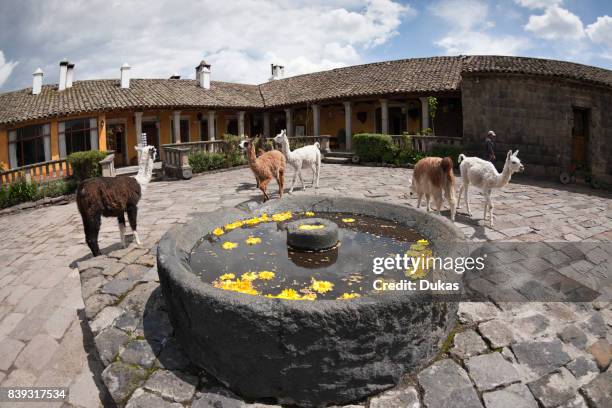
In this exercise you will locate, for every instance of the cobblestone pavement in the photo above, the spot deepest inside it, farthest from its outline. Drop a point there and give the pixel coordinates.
(537, 352)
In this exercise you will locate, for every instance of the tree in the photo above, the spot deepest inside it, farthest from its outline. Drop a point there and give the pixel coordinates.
(432, 101)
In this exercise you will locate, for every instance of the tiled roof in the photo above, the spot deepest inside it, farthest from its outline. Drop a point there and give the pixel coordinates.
(537, 66)
(436, 74)
(105, 95)
(418, 75)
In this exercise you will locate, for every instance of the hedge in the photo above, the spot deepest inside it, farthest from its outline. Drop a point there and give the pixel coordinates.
(86, 164)
(203, 161)
(444, 150)
(374, 147)
(21, 191)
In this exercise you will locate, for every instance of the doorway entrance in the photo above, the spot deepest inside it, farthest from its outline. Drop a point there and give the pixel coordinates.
(115, 140)
(580, 138)
(152, 132)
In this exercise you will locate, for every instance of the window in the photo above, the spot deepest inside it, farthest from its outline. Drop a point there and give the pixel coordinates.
(29, 145)
(184, 130)
(78, 135)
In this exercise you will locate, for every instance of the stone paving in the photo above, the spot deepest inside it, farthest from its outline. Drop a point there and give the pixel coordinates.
(504, 354)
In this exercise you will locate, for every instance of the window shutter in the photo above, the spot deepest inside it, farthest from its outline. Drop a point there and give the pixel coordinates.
(47, 141)
(12, 149)
(93, 133)
(62, 139)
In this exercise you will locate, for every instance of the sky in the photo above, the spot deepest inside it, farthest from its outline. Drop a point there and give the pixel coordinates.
(241, 38)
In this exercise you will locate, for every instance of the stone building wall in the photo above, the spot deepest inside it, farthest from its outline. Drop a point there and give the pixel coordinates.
(535, 115)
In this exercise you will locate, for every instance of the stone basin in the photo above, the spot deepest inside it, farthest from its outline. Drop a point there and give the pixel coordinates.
(307, 353)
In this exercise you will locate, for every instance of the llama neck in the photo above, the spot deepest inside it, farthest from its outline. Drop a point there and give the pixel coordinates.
(251, 156)
(286, 148)
(503, 178)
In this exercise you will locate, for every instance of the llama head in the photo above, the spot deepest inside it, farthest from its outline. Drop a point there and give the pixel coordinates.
(281, 137)
(244, 144)
(514, 162)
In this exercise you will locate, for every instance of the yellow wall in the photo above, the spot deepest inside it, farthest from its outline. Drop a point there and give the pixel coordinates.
(4, 155)
(102, 132)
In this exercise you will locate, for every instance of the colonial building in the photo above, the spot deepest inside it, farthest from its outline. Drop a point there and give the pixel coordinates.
(557, 113)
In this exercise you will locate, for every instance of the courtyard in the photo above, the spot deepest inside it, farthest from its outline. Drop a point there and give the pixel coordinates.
(50, 337)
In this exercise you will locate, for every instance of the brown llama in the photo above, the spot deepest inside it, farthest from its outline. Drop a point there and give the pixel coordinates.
(113, 197)
(265, 167)
(433, 176)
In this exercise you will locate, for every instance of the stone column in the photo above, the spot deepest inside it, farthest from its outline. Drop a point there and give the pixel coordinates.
(424, 113)
(348, 125)
(138, 126)
(316, 120)
(289, 121)
(266, 124)
(211, 125)
(384, 116)
(241, 123)
(176, 126)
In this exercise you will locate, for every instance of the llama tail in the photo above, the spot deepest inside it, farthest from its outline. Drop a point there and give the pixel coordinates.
(460, 158)
(317, 144)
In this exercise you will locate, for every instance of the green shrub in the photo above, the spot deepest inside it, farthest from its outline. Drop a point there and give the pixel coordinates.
(296, 144)
(444, 150)
(408, 156)
(21, 191)
(204, 161)
(86, 164)
(57, 188)
(233, 153)
(374, 147)
(4, 200)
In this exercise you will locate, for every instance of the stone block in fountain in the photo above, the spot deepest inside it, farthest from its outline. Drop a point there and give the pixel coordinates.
(307, 353)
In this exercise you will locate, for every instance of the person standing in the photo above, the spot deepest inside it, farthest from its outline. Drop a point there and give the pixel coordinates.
(489, 146)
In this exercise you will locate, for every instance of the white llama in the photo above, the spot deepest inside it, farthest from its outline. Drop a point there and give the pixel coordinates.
(300, 158)
(482, 174)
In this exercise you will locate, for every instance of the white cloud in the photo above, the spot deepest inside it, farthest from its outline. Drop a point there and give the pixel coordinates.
(538, 4)
(468, 30)
(239, 39)
(6, 67)
(556, 23)
(601, 30)
(464, 15)
(478, 43)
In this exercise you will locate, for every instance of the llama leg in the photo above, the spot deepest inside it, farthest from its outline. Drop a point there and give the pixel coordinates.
(490, 211)
(279, 181)
(318, 167)
(314, 174)
(295, 174)
(121, 222)
(459, 197)
(419, 197)
(132, 211)
(92, 228)
(467, 199)
(263, 185)
(427, 198)
(302, 179)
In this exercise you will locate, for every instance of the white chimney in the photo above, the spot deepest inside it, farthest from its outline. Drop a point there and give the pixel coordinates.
(278, 72)
(62, 74)
(176, 75)
(125, 76)
(203, 75)
(69, 75)
(37, 80)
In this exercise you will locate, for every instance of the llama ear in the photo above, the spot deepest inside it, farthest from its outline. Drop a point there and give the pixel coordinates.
(509, 154)
(515, 153)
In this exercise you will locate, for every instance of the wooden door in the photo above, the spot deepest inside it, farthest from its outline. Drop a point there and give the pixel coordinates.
(580, 137)
(115, 140)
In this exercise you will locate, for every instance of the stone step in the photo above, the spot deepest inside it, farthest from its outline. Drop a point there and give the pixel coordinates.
(340, 154)
(336, 160)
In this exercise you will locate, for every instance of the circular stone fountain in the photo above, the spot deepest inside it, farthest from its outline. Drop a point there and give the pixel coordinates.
(308, 353)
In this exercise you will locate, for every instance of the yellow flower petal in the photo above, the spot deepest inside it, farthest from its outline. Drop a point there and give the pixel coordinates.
(310, 227)
(238, 285)
(284, 216)
(218, 231)
(348, 220)
(253, 240)
(249, 276)
(266, 275)
(349, 296)
(423, 242)
(227, 276)
(321, 286)
(292, 294)
(229, 245)
(234, 225)
(309, 214)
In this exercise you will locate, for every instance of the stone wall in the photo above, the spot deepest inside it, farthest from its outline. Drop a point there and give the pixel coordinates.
(534, 115)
